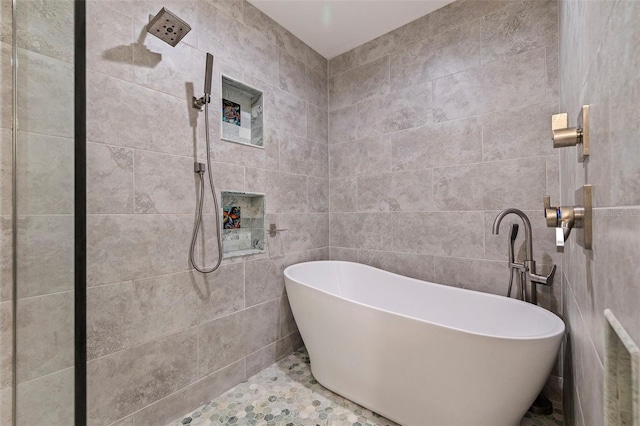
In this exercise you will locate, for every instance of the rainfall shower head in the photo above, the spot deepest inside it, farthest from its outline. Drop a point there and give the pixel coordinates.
(168, 27)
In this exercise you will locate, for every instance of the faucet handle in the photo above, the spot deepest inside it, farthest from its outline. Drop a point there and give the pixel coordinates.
(544, 279)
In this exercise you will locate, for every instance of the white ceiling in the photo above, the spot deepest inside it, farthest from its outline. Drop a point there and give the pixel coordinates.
(333, 27)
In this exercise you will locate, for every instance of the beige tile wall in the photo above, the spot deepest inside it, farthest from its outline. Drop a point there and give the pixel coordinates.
(599, 60)
(434, 128)
(162, 338)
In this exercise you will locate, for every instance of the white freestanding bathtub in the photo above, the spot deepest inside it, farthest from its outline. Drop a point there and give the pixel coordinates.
(420, 353)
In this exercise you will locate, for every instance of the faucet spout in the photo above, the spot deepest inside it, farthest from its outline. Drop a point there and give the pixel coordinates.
(527, 228)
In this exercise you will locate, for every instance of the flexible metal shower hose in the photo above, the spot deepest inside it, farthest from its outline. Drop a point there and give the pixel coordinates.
(198, 223)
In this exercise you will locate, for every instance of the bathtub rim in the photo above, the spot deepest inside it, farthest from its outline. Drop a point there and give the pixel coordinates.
(556, 331)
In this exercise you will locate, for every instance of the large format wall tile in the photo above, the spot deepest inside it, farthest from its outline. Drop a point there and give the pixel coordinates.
(54, 394)
(169, 303)
(45, 254)
(305, 232)
(284, 192)
(518, 133)
(160, 244)
(6, 415)
(447, 53)
(342, 63)
(45, 95)
(402, 191)
(46, 27)
(361, 230)
(457, 234)
(506, 83)
(397, 111)
(282, 110)
(111, 55)
(44, 174)
(366, 156)
(302, 156)
(519, 27)
(491, 186)
(164, 183)
(6, 260)
(359, 84)
(194, 395)
(292, 75)
(237, 335)
(164, 68)
(248, 155)
(316, 89)
(146, 119)
(318, 195)
(258, 58)
(109, 318)
(6, 85)
(264, 279)
(625, 171)
(109, 179)
(390, 42)
(317, 124)
(463, 11)
(407, 264)
(6, 339)
(442, 144)
(274, 32)
(286, 323)
(6, 171)
(45, 335)
(316, 61)
(479, 275)
(126, 381)
(343, 195)
(343, 125)
(343, 254)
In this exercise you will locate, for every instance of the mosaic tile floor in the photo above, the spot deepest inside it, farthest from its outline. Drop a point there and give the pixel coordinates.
(286, 394)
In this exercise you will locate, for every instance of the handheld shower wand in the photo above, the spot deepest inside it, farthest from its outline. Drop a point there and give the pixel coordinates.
(208, 76)
(199, 168)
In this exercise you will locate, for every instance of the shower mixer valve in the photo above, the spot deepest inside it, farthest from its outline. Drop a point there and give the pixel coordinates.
(566, 218)
(563, 219)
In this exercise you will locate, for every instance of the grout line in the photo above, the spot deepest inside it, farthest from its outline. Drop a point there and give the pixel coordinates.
(43, 376)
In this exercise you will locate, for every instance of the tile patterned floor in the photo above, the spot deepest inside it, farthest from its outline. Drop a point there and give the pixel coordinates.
(286, 394)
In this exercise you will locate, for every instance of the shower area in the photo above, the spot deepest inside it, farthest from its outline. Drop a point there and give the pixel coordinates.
(107, 212)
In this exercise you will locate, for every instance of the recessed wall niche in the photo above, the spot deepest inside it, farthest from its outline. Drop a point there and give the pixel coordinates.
(242, 223)
(241, 113)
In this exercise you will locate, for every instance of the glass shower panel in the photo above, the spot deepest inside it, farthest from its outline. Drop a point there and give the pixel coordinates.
(43, 219)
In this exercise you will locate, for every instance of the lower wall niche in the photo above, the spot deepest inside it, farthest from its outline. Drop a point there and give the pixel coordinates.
(242, 224)
(622, 375)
